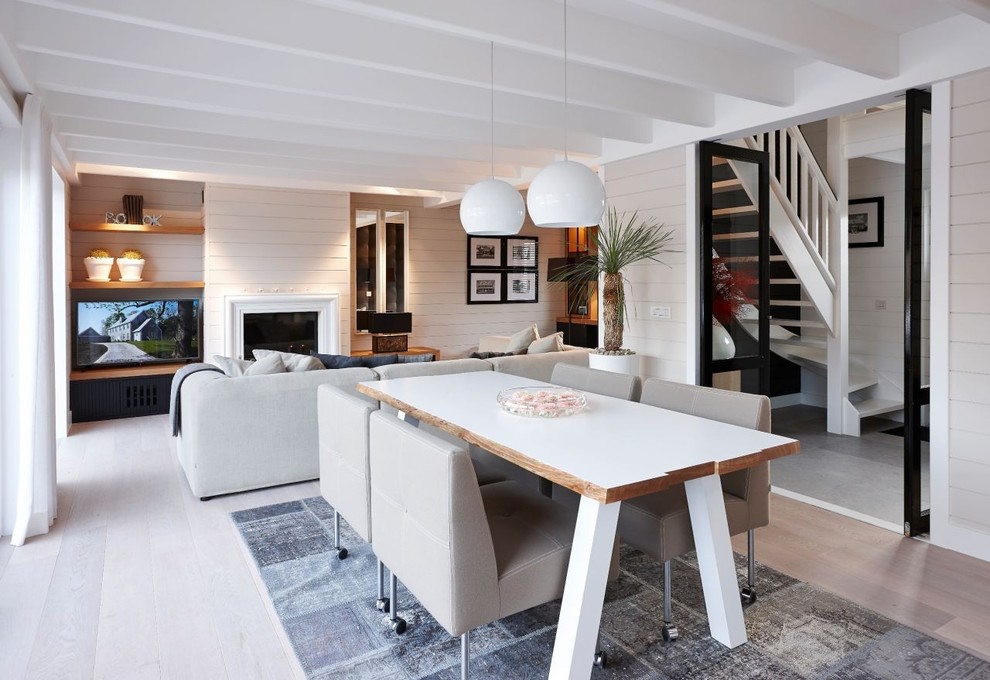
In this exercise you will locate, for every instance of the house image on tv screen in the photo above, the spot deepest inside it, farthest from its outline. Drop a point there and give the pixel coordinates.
(138, 326)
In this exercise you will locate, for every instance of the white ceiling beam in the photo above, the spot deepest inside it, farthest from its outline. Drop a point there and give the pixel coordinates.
(797, 26)
(233, 173)
(47, 29)
(97, 129)
(979, 9)
(153, 115)
(125, 83)
(409, 48)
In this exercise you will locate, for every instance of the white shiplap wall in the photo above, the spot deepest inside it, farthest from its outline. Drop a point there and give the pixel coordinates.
(655, 184)
(437, 279)
(168, 257)
(876, 337)
(268, 241)
(969, 316)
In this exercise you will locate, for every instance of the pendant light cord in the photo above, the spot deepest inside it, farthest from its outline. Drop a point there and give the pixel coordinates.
(565, 81)
(491, 74)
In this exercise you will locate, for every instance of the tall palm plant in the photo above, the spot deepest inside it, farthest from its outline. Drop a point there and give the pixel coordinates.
(624, 240)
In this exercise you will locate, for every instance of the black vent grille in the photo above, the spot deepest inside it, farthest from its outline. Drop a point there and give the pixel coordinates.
(143, 396)
(102, 399)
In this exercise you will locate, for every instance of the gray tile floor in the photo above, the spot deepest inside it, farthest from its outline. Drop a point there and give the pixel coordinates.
(864, 474)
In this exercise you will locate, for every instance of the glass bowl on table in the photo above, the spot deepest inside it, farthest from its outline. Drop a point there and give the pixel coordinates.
(541, 402)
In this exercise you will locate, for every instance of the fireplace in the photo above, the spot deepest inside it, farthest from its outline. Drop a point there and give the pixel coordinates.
(288, 323)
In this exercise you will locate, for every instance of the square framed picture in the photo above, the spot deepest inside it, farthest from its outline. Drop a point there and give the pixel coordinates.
(521, 287)
(866, 222)
(484, 287)
(522, 252)
(484, 251)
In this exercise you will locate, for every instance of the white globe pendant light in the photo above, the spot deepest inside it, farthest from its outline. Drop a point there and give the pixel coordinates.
(566, 193)
(492, 207)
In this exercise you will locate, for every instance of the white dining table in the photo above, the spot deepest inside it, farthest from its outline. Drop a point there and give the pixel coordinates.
(611, 451)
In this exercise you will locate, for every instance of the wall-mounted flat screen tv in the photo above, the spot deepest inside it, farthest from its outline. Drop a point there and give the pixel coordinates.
(136, 332)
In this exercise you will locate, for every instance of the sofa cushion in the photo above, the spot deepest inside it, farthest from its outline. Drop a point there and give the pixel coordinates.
(415, 358)
(235, 368)
(293, 362)
(522, 339)
(551, 343)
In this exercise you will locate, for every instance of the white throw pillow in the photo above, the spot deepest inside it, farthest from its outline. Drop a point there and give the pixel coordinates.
(293, 362)
(230, 366)
(522, 339)
(551, 343)
(267, 365)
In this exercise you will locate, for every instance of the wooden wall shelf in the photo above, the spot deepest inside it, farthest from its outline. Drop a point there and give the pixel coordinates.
(124, 372)
(131, 285)
(140, 228)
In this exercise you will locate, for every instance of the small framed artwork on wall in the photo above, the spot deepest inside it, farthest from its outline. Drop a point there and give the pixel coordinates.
(522, 287)
(866, 222)
(521, 252)
(484, 287)
(484, 251)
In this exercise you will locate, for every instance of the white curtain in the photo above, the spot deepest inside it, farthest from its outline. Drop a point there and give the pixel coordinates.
(36, 483)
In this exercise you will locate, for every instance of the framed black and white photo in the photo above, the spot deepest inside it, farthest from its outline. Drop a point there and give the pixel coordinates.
(484, 287)
(484, 251)
(521, 287)
(866, 222)
(521, 252)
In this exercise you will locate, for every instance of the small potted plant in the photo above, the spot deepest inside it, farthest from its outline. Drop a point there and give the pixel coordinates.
(98, 265)
(130, 263)
(624, 240)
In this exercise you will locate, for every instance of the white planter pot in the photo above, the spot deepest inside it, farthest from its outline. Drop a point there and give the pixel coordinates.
(98, 268)
(618, 363)
(130, 270)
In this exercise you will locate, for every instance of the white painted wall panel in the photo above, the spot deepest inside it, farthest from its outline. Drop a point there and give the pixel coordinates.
(655, 184)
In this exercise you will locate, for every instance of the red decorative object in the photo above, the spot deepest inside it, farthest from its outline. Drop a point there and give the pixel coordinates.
(730, 290)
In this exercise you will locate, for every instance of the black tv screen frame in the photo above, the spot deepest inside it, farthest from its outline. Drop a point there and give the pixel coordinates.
(150, 339)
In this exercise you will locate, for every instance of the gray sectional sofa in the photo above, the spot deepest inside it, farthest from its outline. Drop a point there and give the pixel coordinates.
(253, 432)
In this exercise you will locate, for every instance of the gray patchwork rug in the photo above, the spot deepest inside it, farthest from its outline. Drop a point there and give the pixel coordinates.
(795, 630)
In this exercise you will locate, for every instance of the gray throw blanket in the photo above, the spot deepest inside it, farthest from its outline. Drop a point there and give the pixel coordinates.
(174, 402)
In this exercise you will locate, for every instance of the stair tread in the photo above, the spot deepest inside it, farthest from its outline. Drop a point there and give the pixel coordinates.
(790, 303)
(736, 236)
(736, 210)
(799, 323)
(726, 185)
(750, 258)
(785, 282)
(873, 407)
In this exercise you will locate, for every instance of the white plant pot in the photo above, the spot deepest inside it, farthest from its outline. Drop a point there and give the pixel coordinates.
(615, 363)
(130, 270)
(98, 268)
(722, 345)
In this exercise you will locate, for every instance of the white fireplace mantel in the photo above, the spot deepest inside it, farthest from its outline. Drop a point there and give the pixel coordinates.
(327, 307)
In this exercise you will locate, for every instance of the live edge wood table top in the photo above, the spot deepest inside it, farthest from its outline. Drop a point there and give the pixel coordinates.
(611, 451)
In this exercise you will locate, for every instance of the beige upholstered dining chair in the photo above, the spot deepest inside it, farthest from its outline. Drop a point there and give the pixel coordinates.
(659, 524)
(618, 385)
(470, 554)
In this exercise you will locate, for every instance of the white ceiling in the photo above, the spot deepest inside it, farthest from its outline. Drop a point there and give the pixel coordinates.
(391, 95)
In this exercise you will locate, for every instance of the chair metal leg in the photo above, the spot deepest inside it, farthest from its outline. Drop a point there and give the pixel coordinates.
(669, 630)
(398, 623)
(749, 592)
(341, 552)
(465, 655)
(382, 603)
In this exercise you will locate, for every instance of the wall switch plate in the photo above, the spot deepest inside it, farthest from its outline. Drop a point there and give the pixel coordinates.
(880, 304)
(659, 312)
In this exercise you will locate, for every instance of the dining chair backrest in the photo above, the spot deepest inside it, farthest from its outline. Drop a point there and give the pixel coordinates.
(618, 385)
(343, 422)
(431, 529)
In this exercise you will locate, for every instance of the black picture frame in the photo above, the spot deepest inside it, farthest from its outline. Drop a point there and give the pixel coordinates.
(866, 222)
(486, 287)
(503, 270)
(521, 251)
(485, 252)
(522, 286)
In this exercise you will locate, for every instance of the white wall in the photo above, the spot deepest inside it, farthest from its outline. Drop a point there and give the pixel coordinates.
(261, 240)
(655, 184)
(965, 524)
(437, 279)
(876, 337)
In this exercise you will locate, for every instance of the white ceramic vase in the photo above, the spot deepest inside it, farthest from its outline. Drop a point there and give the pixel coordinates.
(98, 268)
(722, 345)
(130, 270)
(615, 363)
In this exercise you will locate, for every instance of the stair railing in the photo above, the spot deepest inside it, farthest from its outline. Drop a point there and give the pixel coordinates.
(797, 180)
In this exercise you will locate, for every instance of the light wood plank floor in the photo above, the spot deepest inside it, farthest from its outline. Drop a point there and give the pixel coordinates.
(139, 579)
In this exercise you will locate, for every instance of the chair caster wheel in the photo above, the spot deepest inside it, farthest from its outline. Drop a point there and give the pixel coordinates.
(669, 633)
(601, 659)
(342, 554)
(381, 604)
(748, 595)
(399, 626)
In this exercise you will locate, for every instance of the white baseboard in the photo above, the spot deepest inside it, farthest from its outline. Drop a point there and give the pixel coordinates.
(786, 400)
(837, 509)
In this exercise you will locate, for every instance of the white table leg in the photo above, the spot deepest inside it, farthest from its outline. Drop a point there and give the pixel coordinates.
(718, 571)
(584, 590)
